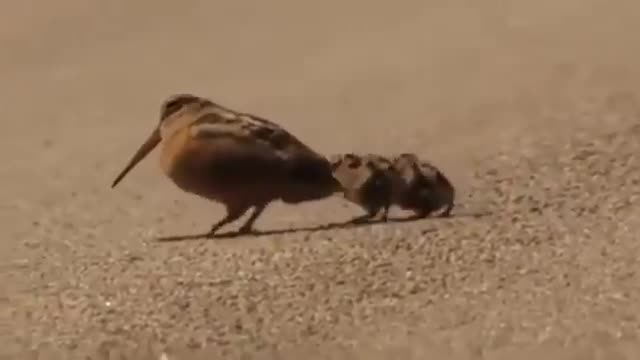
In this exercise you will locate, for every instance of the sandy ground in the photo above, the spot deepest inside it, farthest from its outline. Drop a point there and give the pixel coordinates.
(531, 108)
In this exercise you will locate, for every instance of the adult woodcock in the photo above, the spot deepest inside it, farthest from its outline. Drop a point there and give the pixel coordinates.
(237, 159)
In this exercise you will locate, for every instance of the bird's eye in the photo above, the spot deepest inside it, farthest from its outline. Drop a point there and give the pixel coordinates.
(176, 103)
(355, 163)
(335, 163)
(170, 108)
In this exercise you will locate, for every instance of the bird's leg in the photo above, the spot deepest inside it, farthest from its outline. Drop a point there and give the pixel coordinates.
(447, 210)
(448, 201)
(233, 213)
(371, 213)
(248, 225)
(359, 219)
(385, 212)
(422, 213)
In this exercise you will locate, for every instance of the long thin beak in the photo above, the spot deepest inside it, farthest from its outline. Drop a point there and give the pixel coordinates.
(144, 150)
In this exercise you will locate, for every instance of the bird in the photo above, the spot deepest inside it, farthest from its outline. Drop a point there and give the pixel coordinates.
(376, 182)
(236, 159)
(367, 180)
(426, 188)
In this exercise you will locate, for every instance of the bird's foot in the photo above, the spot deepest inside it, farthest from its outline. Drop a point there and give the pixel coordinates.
(213, 232)
(360, 220)
(384, 216)
(418, 216)
(243, 230)
(446, 212)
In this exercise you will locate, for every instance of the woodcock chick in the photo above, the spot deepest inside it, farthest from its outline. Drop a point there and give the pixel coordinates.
(375, 182)
(367, 180)
(426, 188)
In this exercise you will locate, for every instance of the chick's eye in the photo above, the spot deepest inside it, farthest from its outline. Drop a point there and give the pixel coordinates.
(335, 163)
(355, 163)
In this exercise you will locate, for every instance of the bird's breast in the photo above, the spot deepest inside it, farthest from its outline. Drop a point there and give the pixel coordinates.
(184, 162)
(221, 167)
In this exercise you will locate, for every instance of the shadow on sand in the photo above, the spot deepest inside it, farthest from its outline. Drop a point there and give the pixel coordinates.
(330, 226)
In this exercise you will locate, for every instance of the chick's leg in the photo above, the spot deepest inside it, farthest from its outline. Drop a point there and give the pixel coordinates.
(371, 213)
(447, 210)
(385, 212)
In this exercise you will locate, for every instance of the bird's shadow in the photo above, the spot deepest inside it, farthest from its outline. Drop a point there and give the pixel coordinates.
(330, 226)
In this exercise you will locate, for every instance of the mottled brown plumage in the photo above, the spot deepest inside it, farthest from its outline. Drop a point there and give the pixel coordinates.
(368, 181)
(237, 159)
(375, 183)
(425, 188)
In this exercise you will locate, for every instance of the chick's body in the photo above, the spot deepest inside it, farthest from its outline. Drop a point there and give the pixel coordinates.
(368, 181)
(425, 188)
(376, 182)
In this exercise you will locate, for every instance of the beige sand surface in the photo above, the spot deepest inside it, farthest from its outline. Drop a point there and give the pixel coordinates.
(531, 107)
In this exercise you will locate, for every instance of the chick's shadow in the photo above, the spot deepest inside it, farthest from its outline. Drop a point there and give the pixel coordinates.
(331, 226)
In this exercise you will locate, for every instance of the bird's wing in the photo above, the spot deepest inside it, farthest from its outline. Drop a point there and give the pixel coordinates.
(214, 121)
